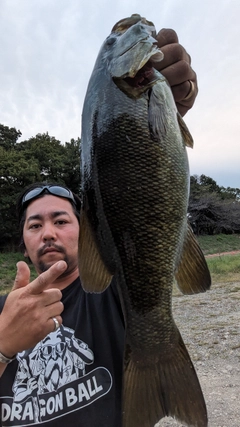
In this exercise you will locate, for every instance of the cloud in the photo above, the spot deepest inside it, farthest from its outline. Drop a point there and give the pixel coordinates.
(50, 46)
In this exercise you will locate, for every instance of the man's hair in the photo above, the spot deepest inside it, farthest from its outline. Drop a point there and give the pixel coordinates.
(21, 209)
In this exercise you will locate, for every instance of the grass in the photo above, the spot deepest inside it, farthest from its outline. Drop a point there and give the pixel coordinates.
(8, 270)
(219, 243)
(223, 268)
(224, 264)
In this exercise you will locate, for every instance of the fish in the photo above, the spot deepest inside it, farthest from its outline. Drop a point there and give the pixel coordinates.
(133, 221)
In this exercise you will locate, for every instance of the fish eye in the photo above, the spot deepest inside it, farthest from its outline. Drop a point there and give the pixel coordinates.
(111, 40)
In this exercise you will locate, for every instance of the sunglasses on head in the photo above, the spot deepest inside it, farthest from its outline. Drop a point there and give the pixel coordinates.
(55, 190)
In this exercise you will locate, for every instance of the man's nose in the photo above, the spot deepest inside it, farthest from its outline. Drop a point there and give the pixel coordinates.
(49, 232)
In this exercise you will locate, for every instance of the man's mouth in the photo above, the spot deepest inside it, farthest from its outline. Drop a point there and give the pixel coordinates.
(48, 249)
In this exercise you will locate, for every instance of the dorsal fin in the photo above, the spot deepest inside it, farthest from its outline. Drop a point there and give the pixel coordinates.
(187, 137)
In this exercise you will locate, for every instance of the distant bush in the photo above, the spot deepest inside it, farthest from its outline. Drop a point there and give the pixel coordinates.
(213, 209)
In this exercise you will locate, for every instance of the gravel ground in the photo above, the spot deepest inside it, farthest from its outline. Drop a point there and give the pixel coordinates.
(210, 327)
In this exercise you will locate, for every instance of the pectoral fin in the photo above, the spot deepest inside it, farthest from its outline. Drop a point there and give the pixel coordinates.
(157, 113)
(94, 275)
(192, 275)
(187, 137)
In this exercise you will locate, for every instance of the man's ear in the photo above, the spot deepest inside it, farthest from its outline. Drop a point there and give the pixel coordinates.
(26, 253)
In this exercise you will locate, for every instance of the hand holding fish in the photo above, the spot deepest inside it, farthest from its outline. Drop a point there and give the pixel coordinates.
(176, 67)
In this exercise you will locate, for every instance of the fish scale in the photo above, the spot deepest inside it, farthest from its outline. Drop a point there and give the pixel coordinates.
(134, 223)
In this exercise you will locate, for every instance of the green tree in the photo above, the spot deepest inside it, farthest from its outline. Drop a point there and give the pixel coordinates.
(56, 162)
(15, 174)
(8, 137)
(71, 173)
(230, 193)
(40, 158)
(49, 154)
(208, 184)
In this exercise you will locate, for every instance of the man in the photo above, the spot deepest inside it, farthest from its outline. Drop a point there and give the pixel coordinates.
(60, 348)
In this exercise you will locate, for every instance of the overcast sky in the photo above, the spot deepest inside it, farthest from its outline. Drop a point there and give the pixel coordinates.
(48, 49)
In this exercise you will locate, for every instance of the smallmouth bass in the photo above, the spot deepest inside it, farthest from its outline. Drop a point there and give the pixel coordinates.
(134, 221)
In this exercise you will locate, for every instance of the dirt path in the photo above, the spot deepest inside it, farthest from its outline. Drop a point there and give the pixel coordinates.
(222, 253)
(210, 326)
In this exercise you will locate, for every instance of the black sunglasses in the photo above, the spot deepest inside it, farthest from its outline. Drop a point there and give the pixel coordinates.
(55, 190)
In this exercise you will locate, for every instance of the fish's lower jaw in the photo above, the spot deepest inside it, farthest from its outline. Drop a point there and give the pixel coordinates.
(167, 388)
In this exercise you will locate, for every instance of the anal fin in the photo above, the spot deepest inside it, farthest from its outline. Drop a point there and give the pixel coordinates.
(192, 274)
(93, 273)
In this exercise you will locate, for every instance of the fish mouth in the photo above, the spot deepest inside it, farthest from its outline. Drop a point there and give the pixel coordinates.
(135, 85)
(133, 71)
(135, 52)
(145, 77)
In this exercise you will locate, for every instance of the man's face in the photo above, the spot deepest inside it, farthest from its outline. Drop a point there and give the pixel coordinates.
(50, 233)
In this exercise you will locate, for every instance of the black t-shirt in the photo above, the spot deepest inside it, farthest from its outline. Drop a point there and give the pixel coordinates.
(72, 377)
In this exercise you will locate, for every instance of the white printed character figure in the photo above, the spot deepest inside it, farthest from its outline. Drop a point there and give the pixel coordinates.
(55, 361)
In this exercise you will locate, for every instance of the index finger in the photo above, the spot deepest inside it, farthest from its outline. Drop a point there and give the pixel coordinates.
(45, 279)
(166, 36)
(173, 53)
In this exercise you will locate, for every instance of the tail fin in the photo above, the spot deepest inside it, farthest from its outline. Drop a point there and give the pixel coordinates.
(159, 385)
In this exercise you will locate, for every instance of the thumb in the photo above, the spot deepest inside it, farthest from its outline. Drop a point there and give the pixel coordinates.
(23, 275)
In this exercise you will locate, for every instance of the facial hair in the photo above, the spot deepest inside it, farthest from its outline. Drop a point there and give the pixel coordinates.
(42, 266)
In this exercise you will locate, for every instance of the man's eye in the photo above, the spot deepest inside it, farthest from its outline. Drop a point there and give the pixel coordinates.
(33, 226)
(61, 222)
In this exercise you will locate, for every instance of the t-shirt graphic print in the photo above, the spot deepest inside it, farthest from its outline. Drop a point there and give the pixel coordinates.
(53, 379)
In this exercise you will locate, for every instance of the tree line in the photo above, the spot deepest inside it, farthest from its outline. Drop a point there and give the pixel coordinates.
(212, 209)
(40, 158)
